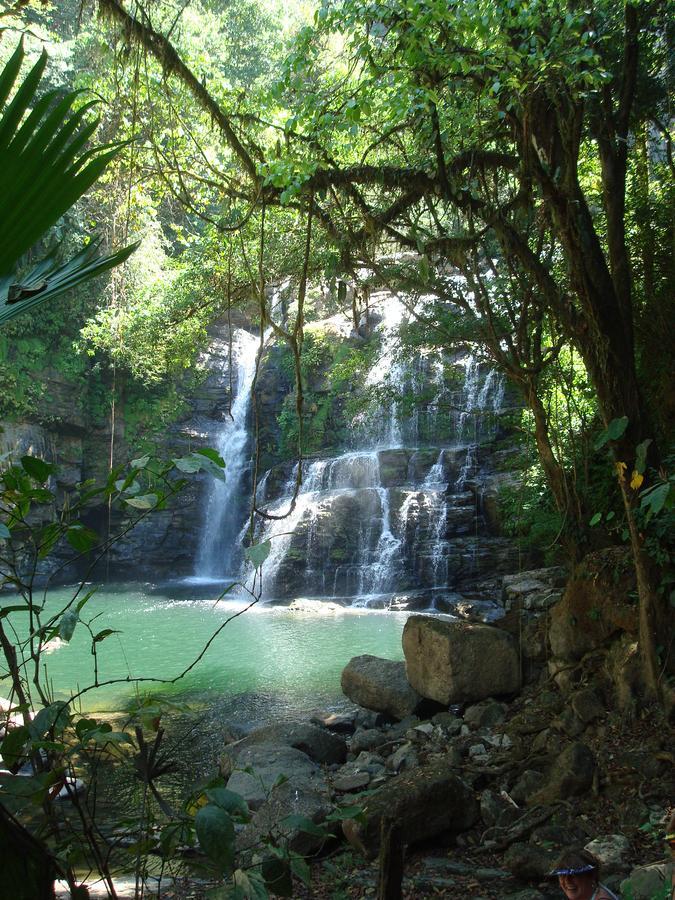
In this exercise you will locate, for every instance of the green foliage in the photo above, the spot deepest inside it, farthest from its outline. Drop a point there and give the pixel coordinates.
(527, 513)
(45, 170)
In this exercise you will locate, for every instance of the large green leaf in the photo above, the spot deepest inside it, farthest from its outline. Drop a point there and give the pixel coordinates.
(216, 834)
(45, 167)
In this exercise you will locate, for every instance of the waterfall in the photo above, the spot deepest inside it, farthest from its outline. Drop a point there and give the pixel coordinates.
(389, 372)
(366, 524)
(218, 554)
(399, 515)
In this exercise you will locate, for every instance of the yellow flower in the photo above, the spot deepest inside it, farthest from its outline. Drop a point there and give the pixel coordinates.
(636, 480)
(620, 468)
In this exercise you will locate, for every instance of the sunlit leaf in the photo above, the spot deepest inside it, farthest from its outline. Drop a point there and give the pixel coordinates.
(144, 501)
(102, 635)
(213, 455)
(258, 553)
(67, 624)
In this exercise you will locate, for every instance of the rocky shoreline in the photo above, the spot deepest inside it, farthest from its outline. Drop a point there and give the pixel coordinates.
(488, 775)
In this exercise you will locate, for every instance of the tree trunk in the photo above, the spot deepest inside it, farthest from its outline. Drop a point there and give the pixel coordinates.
(391, 862)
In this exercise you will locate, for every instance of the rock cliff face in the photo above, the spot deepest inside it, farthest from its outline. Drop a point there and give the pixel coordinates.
(409, 505)
(164, 544)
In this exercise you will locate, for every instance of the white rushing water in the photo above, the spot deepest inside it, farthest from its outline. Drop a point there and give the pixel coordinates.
(377, 520)
(219, 549)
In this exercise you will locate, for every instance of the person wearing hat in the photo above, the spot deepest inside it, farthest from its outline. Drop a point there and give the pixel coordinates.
(578, 873)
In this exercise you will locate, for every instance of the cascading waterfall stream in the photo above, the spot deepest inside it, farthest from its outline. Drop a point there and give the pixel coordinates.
(218, 553)
(368, 524)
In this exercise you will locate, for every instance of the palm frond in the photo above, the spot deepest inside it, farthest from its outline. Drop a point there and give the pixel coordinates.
(44, 169)
(51, 277)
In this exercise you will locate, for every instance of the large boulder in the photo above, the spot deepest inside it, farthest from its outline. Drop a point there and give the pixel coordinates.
(459, 662)
(279, 781)
(380, 685)
(424, 802)
(649, 881)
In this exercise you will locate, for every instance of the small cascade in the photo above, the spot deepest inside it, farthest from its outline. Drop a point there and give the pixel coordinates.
(373, 523)
(389, 373)
(219, 551)
(438, 521)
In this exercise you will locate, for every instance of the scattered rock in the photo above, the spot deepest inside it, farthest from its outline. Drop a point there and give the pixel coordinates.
(403, 758)
(477, 751)
(459, 662)
(554, 835)
(456, 867)
(495, 810)
(587, 705)
(537, 589)
(648, 882)
(571, 775)
(306, 798)
(351, 782)
(500, 741)
(426, 801)
(529, 861)
(485, 714)
(529, 783)
(569, 723)
(339, 723)
(611, 851)
(367, 739)
(380, 685)
(270, 763)
(448, 721)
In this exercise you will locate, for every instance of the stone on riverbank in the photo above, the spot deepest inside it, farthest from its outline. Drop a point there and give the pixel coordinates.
(380, 685)
(459, 662)
(318, 744)
(268, 764)
(424, 802)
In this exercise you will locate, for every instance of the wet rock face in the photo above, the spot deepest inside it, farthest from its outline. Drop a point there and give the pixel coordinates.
(458, 662)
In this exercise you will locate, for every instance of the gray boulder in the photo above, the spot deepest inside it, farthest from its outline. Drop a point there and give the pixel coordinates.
(648, 882)
(380, 685)
(527, 861)
(269, 765)
(612, 852)
(317, 743)
(459, 662)
(424, 802)
(538, 589)
(485, 714)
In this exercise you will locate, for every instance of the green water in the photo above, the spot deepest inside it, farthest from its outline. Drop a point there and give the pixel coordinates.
(269, 662)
